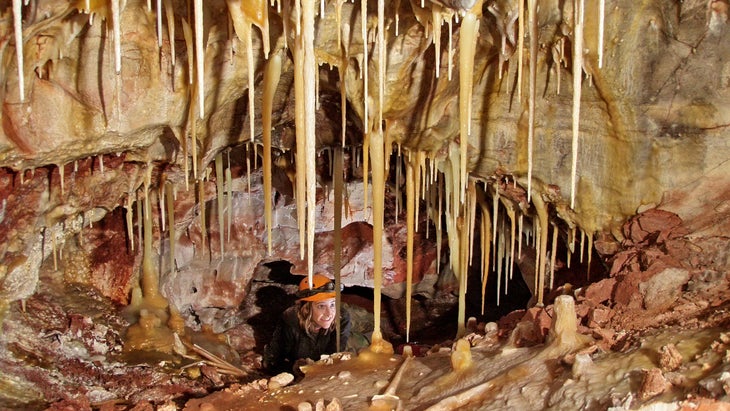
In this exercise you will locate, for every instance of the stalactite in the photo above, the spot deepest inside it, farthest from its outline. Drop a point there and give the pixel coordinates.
(130, 223)
(471, 217)
(485, 243)
(509, 206)
(520, 46)
(300, 159)
(532, 5)
(158, 10)
(337, 176)
(417, 182)
(462, 230)
(229, 195)
(54, 250)
(439, 231)
(542, 217)
(161, 204)
(201, 205)
(582, 242)
(577, 77)
(519, 238)
(364, 70)
(171, 224)
(436, 20)
(101, 164)
(397, 185)
(410, 217)
(310, 66)
(590, 256)
(271, 81)
(601, 28)
(250, 71)
(467, 49)
(18, 31)
(220, 194)
(553, 251)
(170, 14)
(116, 28)
(62, 176)
(376, 153)
(189, 47)
(248, 174)
(200, 56)
(451, 47)
(571, 245)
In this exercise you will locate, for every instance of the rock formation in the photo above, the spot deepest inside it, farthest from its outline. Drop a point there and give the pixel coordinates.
(158, 159)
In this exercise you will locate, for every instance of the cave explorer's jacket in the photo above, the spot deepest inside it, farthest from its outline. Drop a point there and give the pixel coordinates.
(290, 342)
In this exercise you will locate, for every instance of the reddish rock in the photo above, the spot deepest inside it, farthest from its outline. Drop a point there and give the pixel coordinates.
(599, 316)
(601, 291)
(653, 384)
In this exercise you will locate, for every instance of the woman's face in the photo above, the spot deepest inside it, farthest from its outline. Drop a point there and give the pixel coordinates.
(323, 312)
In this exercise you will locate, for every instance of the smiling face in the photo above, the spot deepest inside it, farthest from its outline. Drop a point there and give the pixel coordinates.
(323, 313)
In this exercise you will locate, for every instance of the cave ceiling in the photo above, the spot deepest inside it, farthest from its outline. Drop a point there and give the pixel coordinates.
(652, 125)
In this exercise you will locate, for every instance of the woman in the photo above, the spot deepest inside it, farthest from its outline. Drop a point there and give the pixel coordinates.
(307, 329)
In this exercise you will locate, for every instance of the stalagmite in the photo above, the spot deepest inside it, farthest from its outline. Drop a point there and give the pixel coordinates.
(532, 5)
(376, 153)
(18, 31)
(271, 81)
(150, 279)
(577, 77)
(219, 198)
(116, 28)
(410, 216)
(199, 56)
(461, 358)
(467, 49)
(171, 224)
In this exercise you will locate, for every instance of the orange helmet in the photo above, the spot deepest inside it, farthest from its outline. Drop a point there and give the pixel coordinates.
(322, 289)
